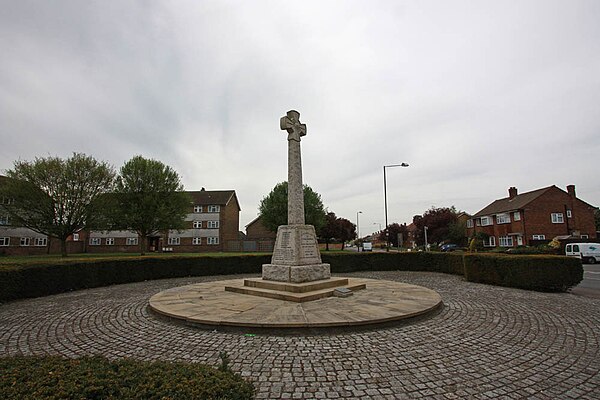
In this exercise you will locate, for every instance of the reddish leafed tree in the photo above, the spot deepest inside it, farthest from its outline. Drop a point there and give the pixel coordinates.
(393, 229)
(437, 221)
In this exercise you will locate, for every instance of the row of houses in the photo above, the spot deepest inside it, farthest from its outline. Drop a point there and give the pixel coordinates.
(213, 225)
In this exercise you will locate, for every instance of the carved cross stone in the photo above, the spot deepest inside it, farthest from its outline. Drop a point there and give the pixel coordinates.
(291, 123)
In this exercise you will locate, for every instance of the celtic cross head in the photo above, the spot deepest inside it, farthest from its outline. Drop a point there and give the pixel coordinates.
(291, 123)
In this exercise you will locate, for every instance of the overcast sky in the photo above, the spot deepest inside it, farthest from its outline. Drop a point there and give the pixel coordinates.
(476, 96)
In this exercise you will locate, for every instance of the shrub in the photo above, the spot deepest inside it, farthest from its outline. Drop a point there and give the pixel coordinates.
(98, 378)
(534, 272)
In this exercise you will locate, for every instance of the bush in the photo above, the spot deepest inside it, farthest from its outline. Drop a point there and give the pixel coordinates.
(534, 272)
(98, 378)
(547, 273)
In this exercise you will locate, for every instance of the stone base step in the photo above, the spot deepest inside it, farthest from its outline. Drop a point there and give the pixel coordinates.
(295, 287)
(295, 296)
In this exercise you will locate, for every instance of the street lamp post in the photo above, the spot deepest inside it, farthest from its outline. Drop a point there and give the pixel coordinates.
(358, 231)
(387, 233)
(425, 230)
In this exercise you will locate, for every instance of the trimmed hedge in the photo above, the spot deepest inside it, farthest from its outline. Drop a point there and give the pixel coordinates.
(534, 272)
(98, 378)
(543, 273)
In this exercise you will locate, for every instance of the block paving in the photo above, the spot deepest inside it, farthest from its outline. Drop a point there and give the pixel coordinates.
(485, 342)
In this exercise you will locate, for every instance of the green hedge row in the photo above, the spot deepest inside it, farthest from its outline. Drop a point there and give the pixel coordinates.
(98, 378)
(543, 273)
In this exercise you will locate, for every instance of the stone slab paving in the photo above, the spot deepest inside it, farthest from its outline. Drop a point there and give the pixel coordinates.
(486, 342)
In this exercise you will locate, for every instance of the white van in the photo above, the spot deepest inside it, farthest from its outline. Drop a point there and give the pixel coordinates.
(588, 252)
(367, 246)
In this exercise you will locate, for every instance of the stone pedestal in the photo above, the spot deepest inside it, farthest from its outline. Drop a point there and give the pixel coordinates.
(296, 257)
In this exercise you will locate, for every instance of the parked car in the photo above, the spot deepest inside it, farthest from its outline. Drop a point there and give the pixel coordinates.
(588, 252)
(449, 247)
(367, 246)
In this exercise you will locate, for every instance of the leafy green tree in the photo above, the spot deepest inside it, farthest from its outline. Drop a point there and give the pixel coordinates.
(55, 197)
(457, 233)
(149, 198)
(273, 208)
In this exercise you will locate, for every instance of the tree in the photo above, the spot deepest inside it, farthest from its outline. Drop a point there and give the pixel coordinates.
(273, 208)
(336, 228)
(148, 199)
(56, 197)
(437, 221)
(394, 229)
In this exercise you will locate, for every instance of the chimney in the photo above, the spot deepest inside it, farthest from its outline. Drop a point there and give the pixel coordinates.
(571, 190)
(512, 192)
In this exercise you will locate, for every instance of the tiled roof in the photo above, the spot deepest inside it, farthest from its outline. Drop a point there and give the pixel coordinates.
(213, 197)
(508, 204)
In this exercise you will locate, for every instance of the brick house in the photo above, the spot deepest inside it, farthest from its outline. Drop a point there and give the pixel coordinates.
(534, 217)
(213, 221)
(258, 237)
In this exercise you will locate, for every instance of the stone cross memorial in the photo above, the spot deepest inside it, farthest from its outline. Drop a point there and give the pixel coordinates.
(296, 257)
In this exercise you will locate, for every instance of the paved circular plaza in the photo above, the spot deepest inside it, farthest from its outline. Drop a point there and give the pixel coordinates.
(485, 342)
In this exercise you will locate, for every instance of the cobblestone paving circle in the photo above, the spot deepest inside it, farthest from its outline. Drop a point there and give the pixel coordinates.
(486, 342)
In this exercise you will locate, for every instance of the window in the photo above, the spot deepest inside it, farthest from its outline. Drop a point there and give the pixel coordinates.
(75, 237)
(41, 241)
(196, 240)
(213, 240)
(110, 241)
(4, 241)
(505, 241)
(485, 221)
(95, 241)
(214, 209)
(503, 218)
(576, 247)
(490, 242)
(25, 241)
(584, 236)
(7, 201)
(213, 224)
(517, 216)
(569, 214)
(469, 223)
(197, 224)
(557, 218)
(4, 220)
(174, 241)
(131, 241)
(197, 209)
(519, 240)
(539, 237)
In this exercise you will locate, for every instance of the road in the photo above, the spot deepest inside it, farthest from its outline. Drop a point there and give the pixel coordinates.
(590, 285)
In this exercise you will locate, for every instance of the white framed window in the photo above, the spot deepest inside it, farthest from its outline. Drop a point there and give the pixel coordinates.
(505, 241)
(539, 237)
(490, 242)
(76, 237)
(569, 214)
(25, 241)
(214, 209)
(503, 218)
(517, 216)
(469, 223)
(197, 224)
(197, 241)
(519, 240)
(4, 220)
(40, 241)
(131, 241)
(174, 241)
(109, 241)
(485, 221)
(4, 241)
(557, 218)
(197, 209)
(212, 240)
(584, 236)
(213, 224)
(7, 201)
(95, 241)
